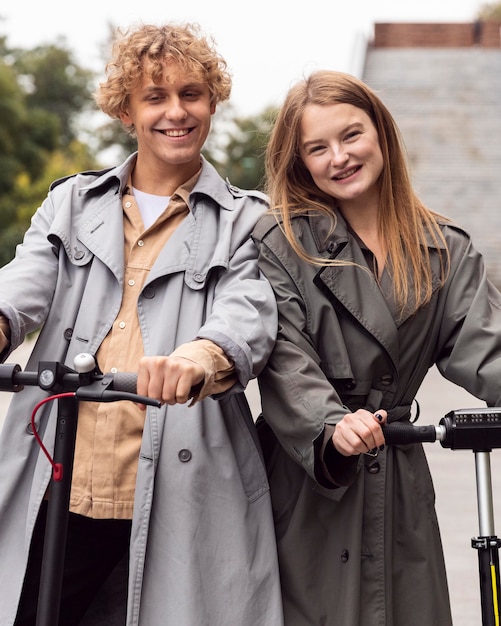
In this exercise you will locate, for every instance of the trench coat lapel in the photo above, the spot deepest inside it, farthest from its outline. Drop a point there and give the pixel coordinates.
(356, 291)
(103, 234)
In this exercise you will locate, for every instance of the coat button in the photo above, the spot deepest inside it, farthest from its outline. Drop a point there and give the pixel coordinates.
(345, 555)
(198, 278)
(79, 254)
(149, 293)
(29, 429)
(387, 379)
(374, 468)
(184, 455)
(68, 333)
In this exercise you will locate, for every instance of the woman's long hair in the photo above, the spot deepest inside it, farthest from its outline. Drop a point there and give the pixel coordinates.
(403, 220)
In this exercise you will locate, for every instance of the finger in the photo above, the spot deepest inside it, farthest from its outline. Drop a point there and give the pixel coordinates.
(370, 441)
(150, 377)
(182, 376)
(142, 385)
(143, 378)
(381, 416)
(348, 441)
(183, 389)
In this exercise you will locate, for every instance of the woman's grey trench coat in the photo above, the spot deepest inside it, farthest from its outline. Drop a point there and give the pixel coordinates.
(367, 553)
(202, 547)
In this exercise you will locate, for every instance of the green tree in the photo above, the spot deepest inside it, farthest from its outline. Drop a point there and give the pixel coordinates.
(490, 11)
(112, 135)
(26, 138)
(237, 146)
(27, 194)
(42, 94)
(56, 84)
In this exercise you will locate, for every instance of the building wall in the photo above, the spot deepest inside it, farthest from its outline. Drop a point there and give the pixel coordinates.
(447, 103)
(460, 35)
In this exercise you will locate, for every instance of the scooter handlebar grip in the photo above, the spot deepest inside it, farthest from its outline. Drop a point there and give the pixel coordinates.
(125, 381)
(403, 433)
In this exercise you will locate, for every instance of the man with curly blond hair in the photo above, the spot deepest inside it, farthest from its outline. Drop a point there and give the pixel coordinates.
(149, 267)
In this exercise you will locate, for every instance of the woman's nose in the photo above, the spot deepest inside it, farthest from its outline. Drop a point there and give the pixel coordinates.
(339, 156)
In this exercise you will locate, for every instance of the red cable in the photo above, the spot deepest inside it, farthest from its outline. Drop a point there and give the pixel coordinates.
(57, 468)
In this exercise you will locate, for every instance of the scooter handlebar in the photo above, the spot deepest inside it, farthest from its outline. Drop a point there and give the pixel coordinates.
(91, 386)
(403, 433)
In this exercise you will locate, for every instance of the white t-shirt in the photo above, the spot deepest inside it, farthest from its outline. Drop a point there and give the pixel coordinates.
(150, 206)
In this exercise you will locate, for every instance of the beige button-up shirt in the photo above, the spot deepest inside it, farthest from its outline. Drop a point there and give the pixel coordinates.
(109, 434)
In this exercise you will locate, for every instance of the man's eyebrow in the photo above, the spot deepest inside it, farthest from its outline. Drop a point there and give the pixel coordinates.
(191, 85)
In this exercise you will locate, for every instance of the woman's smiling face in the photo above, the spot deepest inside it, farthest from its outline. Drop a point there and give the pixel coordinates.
(339, 146)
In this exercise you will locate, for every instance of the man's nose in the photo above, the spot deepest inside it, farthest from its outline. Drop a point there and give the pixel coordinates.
(174, 109)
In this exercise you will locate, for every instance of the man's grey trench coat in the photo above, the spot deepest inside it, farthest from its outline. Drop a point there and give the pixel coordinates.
(367, 553)
(202, 546)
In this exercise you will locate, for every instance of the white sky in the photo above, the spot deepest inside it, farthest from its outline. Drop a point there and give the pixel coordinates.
(268, 44)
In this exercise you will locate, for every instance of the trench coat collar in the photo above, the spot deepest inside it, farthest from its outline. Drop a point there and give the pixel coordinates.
(105, 216)
(354, 289)
(90, 220)
(209, 182)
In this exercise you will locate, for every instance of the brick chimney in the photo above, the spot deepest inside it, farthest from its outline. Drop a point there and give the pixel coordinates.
(428, 35)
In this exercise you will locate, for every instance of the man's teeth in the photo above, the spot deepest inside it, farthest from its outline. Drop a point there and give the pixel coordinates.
(176, 133)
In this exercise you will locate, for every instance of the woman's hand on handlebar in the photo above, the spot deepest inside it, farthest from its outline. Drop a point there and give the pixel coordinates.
(359, 432)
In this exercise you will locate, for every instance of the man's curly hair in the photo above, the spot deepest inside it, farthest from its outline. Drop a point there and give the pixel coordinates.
(183, 44)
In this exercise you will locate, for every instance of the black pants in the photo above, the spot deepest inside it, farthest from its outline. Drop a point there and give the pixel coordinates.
(94, 549)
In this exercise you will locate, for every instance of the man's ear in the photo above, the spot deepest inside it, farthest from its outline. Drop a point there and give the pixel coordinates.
(212, 108)
(125, 118)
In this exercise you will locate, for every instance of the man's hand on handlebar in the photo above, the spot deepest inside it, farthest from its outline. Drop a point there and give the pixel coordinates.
(169, 379)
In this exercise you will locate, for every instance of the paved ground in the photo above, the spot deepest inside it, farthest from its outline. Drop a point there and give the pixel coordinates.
(454, 477)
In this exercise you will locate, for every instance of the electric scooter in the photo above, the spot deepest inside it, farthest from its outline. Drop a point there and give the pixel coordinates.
(68, 387)
(478, 430)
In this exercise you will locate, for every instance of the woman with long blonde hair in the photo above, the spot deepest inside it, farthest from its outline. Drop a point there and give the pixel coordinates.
(373, 289)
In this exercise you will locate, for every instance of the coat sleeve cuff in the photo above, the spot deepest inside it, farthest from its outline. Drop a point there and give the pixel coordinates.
(219, 369)
(335, 469)
(4, 334)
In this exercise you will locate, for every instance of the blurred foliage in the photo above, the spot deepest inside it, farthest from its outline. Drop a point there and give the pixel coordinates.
(112, 135)
(490, 11)
(43, 94)
(55, 84)
(236, 146)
